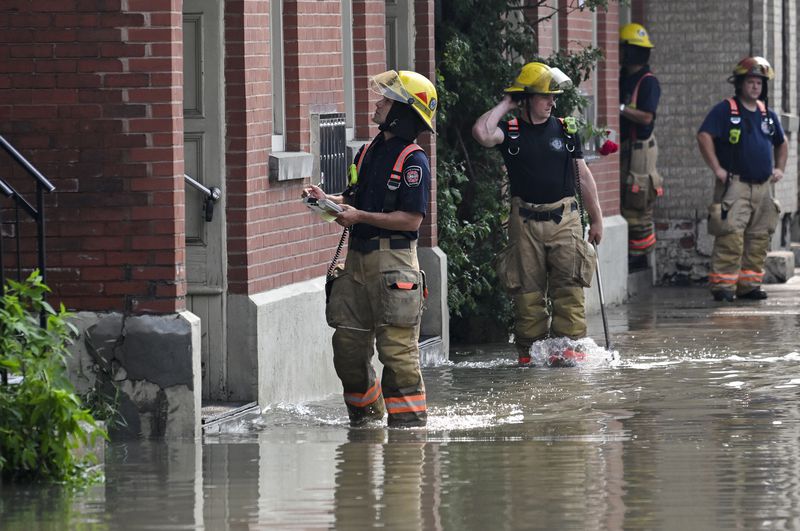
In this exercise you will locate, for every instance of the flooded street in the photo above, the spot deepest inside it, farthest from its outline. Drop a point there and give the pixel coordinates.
(692, 423)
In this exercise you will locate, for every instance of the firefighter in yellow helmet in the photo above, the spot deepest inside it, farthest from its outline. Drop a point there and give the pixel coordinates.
(640, 182)
(548, 263)
(742, 141)
(376, 300)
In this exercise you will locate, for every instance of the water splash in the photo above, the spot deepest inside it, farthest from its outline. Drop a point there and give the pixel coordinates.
(548, 352)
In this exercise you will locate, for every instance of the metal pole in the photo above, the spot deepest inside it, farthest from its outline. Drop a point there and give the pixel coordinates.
(602, 299)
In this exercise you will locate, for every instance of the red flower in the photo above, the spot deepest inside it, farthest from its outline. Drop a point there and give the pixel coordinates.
(609, 147)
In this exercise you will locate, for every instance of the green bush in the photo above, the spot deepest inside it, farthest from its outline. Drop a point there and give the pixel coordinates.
(480, 47)
(42, 422)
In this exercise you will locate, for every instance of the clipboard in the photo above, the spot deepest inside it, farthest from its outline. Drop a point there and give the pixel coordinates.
(325, 208)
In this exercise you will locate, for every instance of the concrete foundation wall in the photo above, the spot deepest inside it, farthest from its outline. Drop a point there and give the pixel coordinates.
(288, 344)
(151, 364)
(279, 344)
(436, 316)
(613, 265)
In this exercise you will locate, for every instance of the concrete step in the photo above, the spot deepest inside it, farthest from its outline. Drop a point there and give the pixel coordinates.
(431, 351)
(215, 415)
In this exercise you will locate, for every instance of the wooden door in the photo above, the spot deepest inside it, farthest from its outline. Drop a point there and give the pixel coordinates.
(203, 110)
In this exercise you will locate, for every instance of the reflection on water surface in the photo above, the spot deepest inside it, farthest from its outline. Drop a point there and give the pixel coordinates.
(691, 424)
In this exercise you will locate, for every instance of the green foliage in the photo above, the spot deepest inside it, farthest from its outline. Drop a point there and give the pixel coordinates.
(42, 422)
(481, 45)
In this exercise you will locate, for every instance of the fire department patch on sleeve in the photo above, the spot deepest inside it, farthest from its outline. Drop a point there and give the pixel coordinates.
(412, 176)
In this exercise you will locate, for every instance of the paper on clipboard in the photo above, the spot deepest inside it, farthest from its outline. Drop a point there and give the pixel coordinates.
(325, 208)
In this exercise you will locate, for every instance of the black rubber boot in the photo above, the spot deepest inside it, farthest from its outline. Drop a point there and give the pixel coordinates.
(723, 296)
(757, 294)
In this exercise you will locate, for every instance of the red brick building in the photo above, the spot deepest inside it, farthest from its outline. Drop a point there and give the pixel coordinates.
(181, 297)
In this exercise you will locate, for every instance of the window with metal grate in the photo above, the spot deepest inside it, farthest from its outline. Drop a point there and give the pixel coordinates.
(333, 152)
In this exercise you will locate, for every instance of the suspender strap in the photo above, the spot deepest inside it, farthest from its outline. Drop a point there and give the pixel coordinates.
(734, 132)
(395, 177)
(634, 96)
(513, 136)
(363, 154)
(397, 170)
(734, 106)
(636, 88)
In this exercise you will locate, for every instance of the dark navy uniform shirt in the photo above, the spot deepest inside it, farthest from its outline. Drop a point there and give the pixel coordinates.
(646, 100)
(542, 171)
(412, 196)
(752, 157)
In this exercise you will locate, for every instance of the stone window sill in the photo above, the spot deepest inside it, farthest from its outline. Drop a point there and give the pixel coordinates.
(290, 165)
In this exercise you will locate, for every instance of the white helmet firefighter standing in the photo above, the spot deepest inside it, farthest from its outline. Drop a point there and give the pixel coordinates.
(548, 263)
(376, 300)
(742, 142)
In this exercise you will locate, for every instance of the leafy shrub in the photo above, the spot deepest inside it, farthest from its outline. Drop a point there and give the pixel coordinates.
(42, 423)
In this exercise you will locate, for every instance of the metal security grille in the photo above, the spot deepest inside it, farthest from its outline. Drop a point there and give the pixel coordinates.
(333, 152)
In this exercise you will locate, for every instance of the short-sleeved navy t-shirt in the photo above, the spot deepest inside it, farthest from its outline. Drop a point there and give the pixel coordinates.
(646, 100)
(542, 171)
(413, 194)
(752, 157)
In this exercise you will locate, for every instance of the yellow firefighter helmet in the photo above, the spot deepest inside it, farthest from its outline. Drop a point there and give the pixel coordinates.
(410, 88)
(635, 35)
(538, 78)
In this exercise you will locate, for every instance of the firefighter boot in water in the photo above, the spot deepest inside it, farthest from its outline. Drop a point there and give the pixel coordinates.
(524, 355)
(361, 415)
(569, 357)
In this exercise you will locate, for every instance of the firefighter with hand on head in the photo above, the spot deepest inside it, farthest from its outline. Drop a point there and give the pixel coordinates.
(641, 183)
(377, 299)
(547, 263)
(743, 143)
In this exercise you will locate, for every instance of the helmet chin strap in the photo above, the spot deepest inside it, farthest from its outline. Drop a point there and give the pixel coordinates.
(401, 121)
(386, 126)
(528, 109)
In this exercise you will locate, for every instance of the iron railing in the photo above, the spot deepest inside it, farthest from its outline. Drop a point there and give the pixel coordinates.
(35, 213)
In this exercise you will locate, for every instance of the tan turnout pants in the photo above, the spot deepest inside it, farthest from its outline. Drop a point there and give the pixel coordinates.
(549, 264)
(641, 186)
(742, 219)
(376, 300)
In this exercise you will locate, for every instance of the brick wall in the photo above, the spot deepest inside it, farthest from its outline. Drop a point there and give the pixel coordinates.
(91, 96)
(92, 93)
(426, 65)
(606, 169)
(248, 115)
(369, 58)
(575, 33)
(273, 240)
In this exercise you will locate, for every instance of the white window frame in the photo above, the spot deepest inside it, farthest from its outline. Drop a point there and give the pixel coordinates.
(278, 77)
(348, 68)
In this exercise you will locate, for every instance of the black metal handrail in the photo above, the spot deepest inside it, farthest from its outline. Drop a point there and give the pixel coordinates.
(36, 213)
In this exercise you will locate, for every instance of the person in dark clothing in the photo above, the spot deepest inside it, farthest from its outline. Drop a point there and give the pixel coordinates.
(548, 263)
(742, 142)
(641, 184)
(377, 299)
